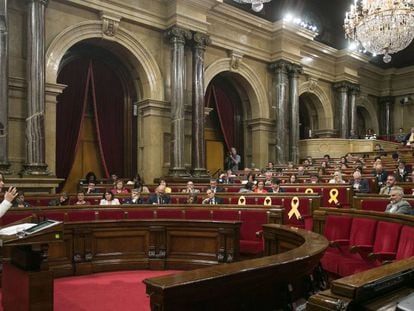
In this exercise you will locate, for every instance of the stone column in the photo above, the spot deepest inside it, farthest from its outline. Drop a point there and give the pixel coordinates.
(177, 37)
(353, 92)
(280, 88)
(4, 96)
(35, 122)
(386, 104)
(198, 157)
(342, 90)
(294, 72)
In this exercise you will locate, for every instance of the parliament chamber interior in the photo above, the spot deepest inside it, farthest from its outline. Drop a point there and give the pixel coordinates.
(259, 152)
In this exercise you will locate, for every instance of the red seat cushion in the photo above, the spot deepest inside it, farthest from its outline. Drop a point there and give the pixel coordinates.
(406, 243)
(199, 214)
(169, 214)
(111, 214)
(251, 247)
(81, 215)
(223, 214)
(140, 214)
(8, 218)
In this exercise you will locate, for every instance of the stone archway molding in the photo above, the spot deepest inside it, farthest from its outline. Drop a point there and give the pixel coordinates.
(367, 105)
(147, 67)
(326, 121)
(255, 90)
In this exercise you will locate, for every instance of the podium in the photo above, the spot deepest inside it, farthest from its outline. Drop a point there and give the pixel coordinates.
(27, 282)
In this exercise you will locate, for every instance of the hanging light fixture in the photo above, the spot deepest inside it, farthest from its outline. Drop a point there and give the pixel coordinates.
(381, 26)
(257, 5)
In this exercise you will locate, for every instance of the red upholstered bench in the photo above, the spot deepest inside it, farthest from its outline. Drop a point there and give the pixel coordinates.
(8, 218)
(406, 243)
(81, 215)
(226, 214)
(378, 205)
(304, 208)
(384, 248)
(144, 213)
(111, 214)
(198, 214)
(250, 241)
(169, 213)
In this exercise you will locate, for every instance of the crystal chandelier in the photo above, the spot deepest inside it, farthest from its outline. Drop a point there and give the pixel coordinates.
(257, 5)
(381, 26)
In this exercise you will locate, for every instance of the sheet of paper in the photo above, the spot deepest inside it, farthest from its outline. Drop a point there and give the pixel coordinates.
(16, 228)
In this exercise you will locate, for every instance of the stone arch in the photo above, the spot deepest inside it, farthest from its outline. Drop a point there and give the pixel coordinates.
(371, 119)
(250, 81)
(144, 63)
(321, 102)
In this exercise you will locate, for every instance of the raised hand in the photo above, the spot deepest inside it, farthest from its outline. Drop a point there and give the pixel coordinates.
(10, 194)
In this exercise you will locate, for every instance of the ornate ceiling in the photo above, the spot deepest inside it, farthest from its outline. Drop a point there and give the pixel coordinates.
(328, 16)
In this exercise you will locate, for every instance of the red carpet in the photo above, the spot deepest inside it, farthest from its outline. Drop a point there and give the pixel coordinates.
(122, 291)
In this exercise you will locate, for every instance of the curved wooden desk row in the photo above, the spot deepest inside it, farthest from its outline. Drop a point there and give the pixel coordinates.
(96, 246)
(256, 284)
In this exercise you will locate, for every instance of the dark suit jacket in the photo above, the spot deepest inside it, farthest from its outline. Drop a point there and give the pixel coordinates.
(217, 200)
(129, 201)
(280, 190)
(218, 189)
(381, 178)
(153, 199)
(363, 186)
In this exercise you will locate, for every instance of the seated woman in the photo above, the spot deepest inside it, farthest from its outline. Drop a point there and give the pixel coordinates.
(19, 200)
(260, 187)
(109, 199)
(139, 184)
(80, 196)
(119, 187)
(293, 179)
(248, 188)
(337, 178)
(62, 200)
(164, 183)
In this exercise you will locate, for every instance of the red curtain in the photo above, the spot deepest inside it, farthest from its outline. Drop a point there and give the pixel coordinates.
(69, 114)
(90, 81)
(108, 101)
(225, 112)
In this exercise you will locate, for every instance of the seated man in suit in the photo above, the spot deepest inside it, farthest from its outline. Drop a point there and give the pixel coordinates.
(359, 184)
(159, 197)
(134, 199)
(211, 198)
(390, 185)
(397, 204)
(275, 187)
(214, 187)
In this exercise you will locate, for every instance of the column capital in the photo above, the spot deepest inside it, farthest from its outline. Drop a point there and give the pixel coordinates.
(295, 70)
(343, 85)
(178, 34)
(201, 40)
(386, 100)
(280, 65)
(42, 2)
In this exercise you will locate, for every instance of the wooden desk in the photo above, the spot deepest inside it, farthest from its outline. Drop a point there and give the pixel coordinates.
(375, 289)
(256, 284)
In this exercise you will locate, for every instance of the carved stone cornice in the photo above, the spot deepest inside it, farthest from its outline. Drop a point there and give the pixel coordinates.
(42, 2)
(178, 34)
(201, 40)
(110, 24)
(280, 66)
